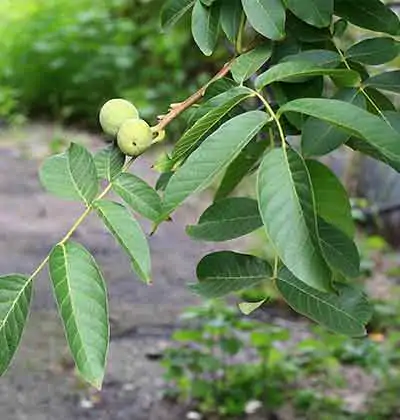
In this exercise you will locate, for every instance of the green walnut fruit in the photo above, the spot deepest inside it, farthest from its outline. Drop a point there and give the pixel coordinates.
(134, 137)
(114, 112)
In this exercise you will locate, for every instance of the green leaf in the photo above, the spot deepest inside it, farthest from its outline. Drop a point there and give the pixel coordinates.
(266, 16)
(318, 137)
(227, 219)
(225, 272)
(109, 162)
(393, 119)
(355, 120)
(138, 195)
(15, 299)
(71, 175)
(315, 12)
(331, 199)
(339, 250)
(288, 211)
(240, 167)
(345, 313)
(374, 51)
(127, 231)
(369, 14)
(173, 10)
(386, 81)
(321, 58)
(291, 71)
(213, 155)
(230, 18)
(205, 22)
(81, 296)
(247, 64)
(190, 139)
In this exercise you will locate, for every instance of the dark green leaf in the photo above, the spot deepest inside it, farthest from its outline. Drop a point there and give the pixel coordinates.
(15, 299)
(315, 12)
(225, 272)
(288, 211)
(227, 219)
(109, 162)
(331, 199)
(81, 296)
(240, 167)
(318, 137)
(369, 14)
(266, 16)
(374, 51)
(345, 313)
(205, 26)
(321, 58)
(386, 81)
(213, 155)
(138, 195)
(338, 249)
(127, 231)
(230, 18)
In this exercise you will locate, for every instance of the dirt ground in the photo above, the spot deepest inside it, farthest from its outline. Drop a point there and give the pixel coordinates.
(41, 384)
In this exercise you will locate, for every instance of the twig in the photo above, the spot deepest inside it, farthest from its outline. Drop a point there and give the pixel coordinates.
(183, 106)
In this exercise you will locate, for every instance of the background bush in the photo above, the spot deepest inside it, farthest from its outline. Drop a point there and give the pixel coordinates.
(61, 59)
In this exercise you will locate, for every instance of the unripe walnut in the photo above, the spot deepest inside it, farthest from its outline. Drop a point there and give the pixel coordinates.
(134, 137)
(114, 112)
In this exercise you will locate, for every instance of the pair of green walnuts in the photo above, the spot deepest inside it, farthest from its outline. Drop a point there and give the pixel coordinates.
(120, 118)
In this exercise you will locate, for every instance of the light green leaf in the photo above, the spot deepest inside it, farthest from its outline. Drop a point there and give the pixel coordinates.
(318, 137)
(190, 139)
(369, 14)
(227, 219)
(345, 313)
(291, 71)
(15, 299)
(331, 199)
(288, 211)
(55, 177)
(240, 167)
(205, 22)
(389, 80)
(71, 175)
(127, 231)
(266, 16)
(339, 250)
(315, 12)
(225, 272)
(247, 64)
(356, 121)
(81, 296)
(173, 10)
(138, 195)
(230, 18)
(213, 155)
(109, 162)
(374, 51)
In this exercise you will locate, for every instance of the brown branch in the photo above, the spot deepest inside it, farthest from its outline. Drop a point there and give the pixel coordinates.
(183, 106)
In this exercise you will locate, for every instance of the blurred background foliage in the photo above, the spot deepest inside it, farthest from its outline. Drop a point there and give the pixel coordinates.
(61, 59)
